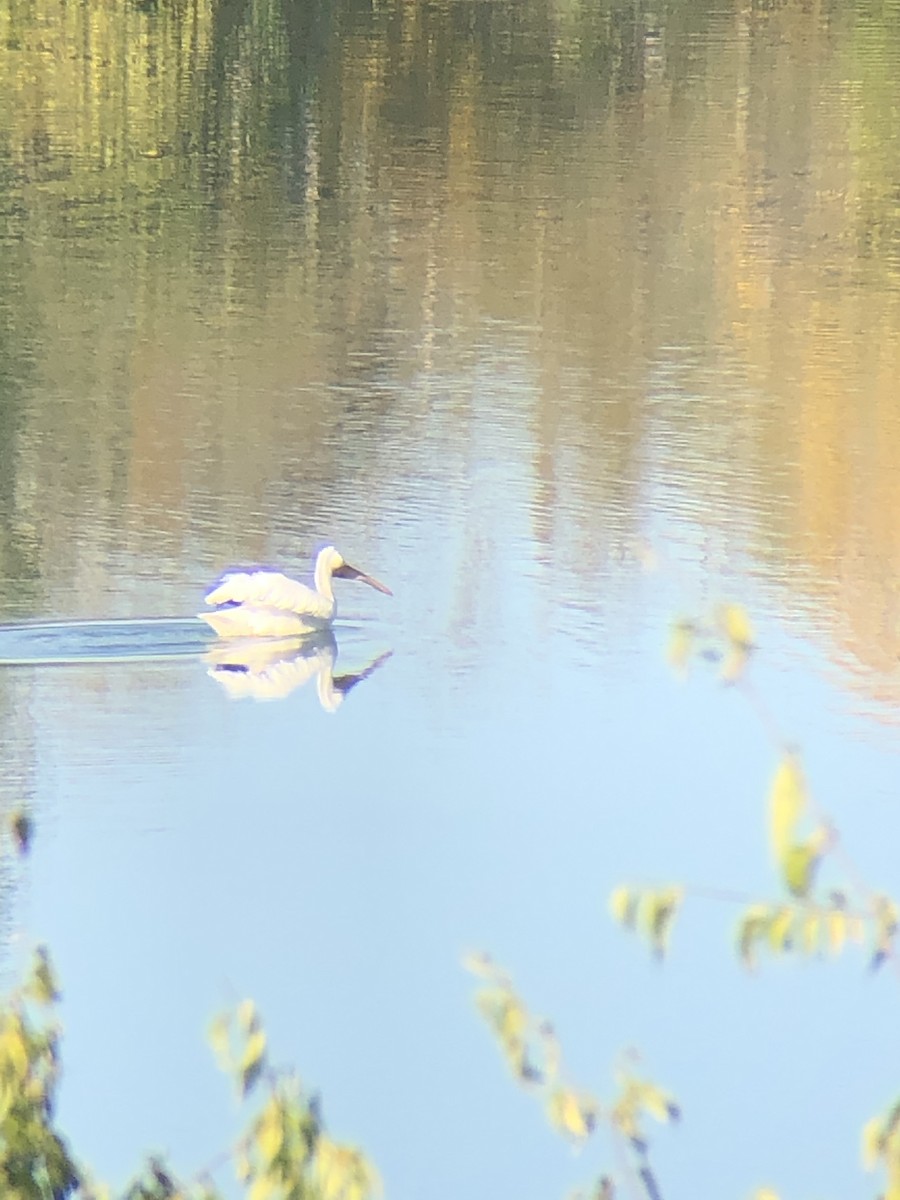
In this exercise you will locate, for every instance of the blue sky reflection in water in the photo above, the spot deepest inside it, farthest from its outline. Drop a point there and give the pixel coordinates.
(192, 849)
(595, 293)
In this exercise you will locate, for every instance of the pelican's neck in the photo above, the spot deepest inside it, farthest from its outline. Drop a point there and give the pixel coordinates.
(322, 575)
(330, 697)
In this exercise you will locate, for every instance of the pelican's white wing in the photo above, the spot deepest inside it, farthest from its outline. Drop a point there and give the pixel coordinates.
(269, 589)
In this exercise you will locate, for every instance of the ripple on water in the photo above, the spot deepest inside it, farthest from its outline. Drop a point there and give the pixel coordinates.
(47, 642)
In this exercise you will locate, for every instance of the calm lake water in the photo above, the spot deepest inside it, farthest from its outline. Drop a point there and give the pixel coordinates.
(494, 296)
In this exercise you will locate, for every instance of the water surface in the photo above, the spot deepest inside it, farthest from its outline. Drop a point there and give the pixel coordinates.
(493, 297)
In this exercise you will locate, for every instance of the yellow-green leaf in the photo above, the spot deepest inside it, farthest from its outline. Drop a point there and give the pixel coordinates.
(247, 1016)
(752, 927)
(799, 864)
(891, 1124)
(262, 1188)
(14, 1058)
(624, 1115)
(657, 1103)
(779, 931)
(573, 1114)
(513, 1020)
(887, 915)
(838, 926)
(660, 911)
(270, 1132)
(252, 1060)
(342, 1173)
(623, 904)
(736, 626)
(810, 932)
(480, 964)
(787, 800)
(42, 985)
(872, 1143)
(219, 1040)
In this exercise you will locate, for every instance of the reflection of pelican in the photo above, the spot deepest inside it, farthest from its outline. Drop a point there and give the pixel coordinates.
(269, 604)
(271, 669)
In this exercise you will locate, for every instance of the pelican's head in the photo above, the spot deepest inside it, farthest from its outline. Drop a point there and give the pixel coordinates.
(331, 562)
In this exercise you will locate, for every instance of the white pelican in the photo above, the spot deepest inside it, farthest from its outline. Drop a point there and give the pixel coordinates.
(269, 604)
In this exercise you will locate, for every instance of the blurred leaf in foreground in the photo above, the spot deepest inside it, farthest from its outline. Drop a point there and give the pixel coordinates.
(881, 1147)
(42, 986)
(887, 922)
(651, 911)
(799, 864)
(736, 626)
(787, 801)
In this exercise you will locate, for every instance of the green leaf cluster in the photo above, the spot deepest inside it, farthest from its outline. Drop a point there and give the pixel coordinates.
(533, 1053)
(35, 1163)
(809, 922)
(881, 1147)
(805, 928)
(650, 912)
(638, 1098)
(286, 1153)
(239, 1044)
(529, 1045)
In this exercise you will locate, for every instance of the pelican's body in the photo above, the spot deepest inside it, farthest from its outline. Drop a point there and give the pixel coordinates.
(269, 604)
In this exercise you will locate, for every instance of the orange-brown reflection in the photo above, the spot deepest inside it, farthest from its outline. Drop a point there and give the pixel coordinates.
(257, 260)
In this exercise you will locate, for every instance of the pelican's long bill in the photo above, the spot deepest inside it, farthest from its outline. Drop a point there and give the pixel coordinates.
(348, 572)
